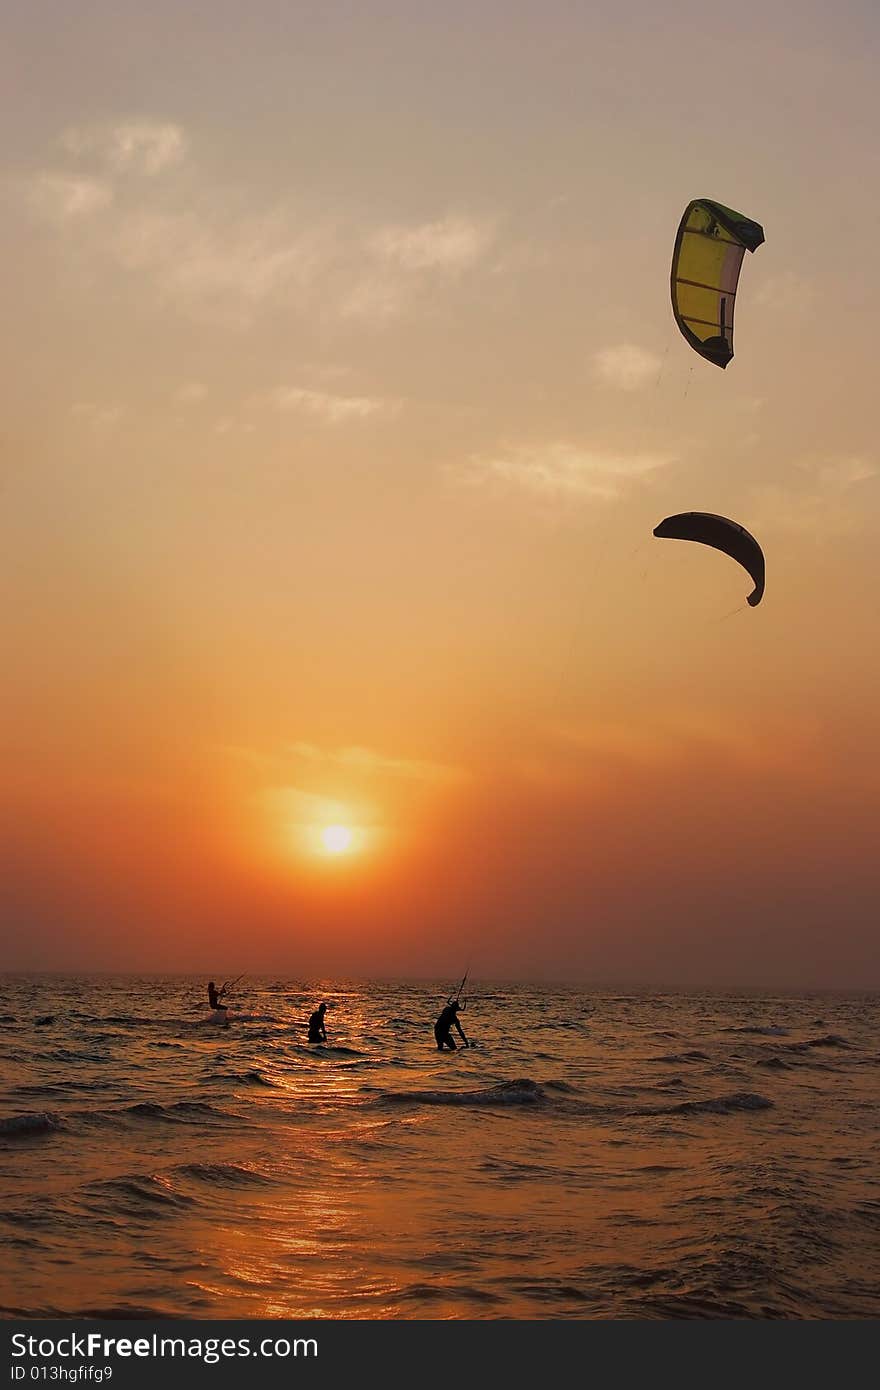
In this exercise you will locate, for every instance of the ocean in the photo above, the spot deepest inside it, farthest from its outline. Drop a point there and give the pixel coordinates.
(597, 1154)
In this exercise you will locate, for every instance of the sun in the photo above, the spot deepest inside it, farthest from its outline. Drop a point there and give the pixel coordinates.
(333, 835)
(336, 839)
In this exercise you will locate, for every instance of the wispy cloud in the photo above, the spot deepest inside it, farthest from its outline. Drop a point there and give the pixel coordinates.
(825, 497)
(191, 393)
(63, 197)
(524, 257)
(671, 737)
(399, 263)
(144, 146)
(221, 256)
(327, 406)
(231, 424)
(299, 818)
(376, 296)
(101, 418)
(452, 244)
(787, 291)
(564, 470)
(626, 366)
(841, 474)
(192, 257)
(370, 763)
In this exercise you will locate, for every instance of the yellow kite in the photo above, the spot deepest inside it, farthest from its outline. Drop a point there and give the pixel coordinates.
(709, 250)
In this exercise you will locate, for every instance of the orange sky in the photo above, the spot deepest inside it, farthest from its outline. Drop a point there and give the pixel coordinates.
(342, 396)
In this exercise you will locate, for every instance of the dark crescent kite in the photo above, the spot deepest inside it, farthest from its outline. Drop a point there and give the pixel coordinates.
(720, 533)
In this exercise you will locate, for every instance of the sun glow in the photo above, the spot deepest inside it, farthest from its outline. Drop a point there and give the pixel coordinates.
(336, 839)
(308, 828)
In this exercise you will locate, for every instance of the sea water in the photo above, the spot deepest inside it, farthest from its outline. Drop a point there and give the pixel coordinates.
(599, 1153)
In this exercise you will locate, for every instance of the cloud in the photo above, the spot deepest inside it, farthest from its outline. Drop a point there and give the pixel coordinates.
(331, 408)
(661, 741)
(212, 257)
(376, 297)
(192, 257)
(452, 244)
(228, 424)
(403, 259)
(824, 497)
(355, 760)
(144, 147)
(786, 291)
(219, 256)
(524, 257)
(843, 473)
(627, 367)
(191, 393)
(62, 197)
(102, 418)
(669, 738)
(368, 762)
(564, 470)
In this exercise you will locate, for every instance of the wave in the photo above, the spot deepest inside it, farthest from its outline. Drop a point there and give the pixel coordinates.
(563, 1087)
(526, 1091)
(433, 1293)
(25, 1126)
(253, 1077)
(134, 1311)
(523, 1091)
(64, 1089)
(68, 1054)
(232, 1016)
(768, 1030)
(141, 1192)
(116, 1020)
(224, 1174)
(723, 1105)
(827, 1040)
(676, 1057)
(179, 1111)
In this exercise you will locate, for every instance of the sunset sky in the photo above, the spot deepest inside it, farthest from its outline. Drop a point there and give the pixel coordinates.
(342, 394)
